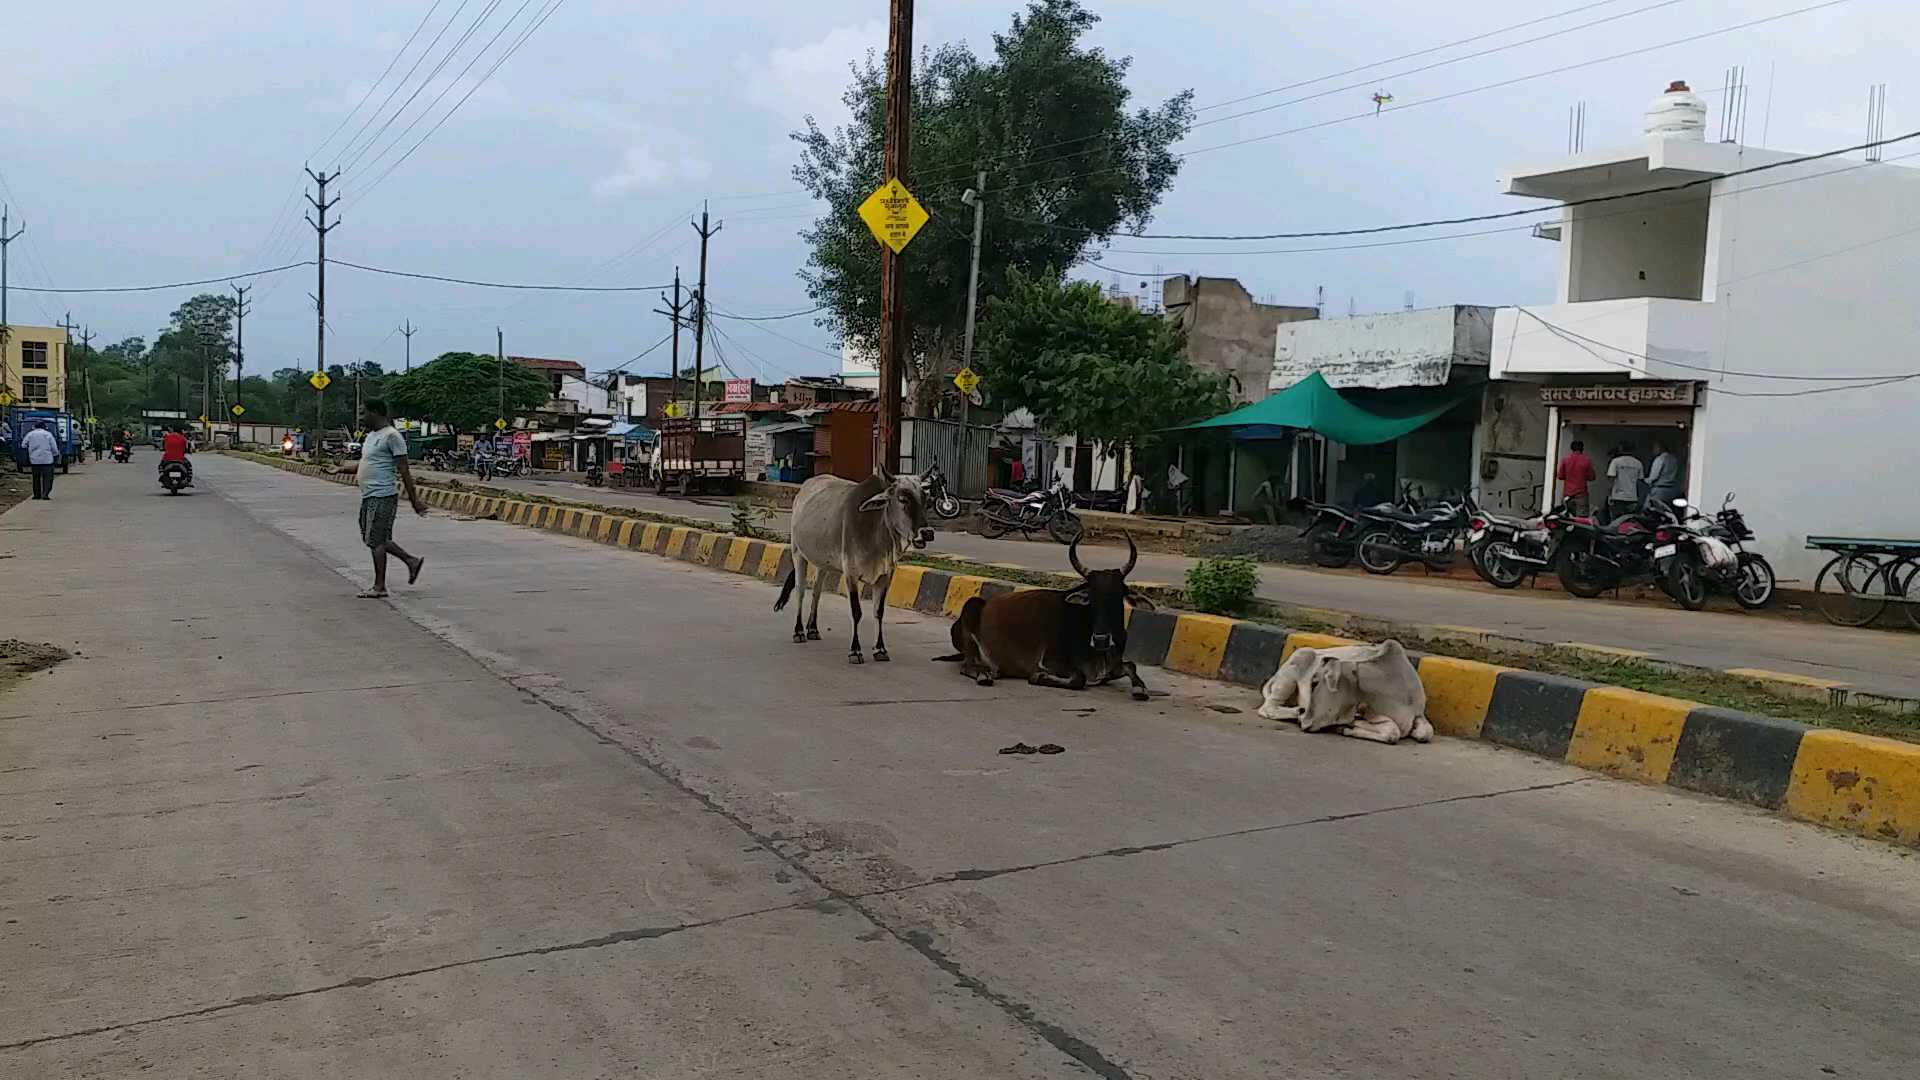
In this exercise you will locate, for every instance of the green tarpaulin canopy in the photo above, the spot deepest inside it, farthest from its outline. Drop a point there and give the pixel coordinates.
(1312, 405)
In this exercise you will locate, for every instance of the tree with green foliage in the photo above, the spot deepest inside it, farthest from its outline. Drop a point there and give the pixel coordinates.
(1087, 366)
(1045, 116)
(462, 390)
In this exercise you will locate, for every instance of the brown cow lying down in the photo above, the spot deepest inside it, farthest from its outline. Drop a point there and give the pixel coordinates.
(1366, 691)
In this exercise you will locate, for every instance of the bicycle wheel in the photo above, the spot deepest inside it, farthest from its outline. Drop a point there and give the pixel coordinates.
(1903, 586)
(1851, 589)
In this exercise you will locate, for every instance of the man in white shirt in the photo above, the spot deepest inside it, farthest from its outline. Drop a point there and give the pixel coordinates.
(1663, 479)
(383, 460)
(1625, 471)
(43, 453)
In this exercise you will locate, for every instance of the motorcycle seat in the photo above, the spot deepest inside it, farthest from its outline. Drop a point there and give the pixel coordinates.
(1422, 517)
(1013, 496)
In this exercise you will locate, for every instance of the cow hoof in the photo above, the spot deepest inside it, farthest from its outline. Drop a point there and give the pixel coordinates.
(813, 634)
(1140, 695)
(984, 680)
(880, 656)
(856, 658)
(799, 637)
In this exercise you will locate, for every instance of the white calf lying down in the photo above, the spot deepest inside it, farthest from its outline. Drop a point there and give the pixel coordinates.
(1366, 691)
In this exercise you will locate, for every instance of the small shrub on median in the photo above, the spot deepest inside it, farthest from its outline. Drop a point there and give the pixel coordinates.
(747, 516)
(1222, 586)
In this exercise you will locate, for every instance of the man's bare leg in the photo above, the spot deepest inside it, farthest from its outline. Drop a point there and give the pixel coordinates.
(379, 571)
(414, 562)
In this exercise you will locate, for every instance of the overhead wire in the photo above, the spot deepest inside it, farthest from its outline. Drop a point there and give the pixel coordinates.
(769, 318)
(375, 85)
(1852, 382)
(357, 148)
(493, 284)
(354, 141)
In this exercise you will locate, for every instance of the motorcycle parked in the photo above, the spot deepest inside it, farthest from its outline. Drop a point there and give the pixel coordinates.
(1392, 535)
(1709, 556)
(595, 476)
(1593, 558)
(1330, 534)
(1002, 511)
(1506, 551)
(173, 476)
(939, 500)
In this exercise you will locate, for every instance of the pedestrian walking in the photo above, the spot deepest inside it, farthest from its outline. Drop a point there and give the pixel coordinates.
(1663, 478)
(383, 471)
(43, 453)
(1575, 473)
(1625, 470)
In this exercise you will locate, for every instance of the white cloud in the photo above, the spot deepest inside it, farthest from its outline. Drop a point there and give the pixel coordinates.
(640, 168)
(809, 79)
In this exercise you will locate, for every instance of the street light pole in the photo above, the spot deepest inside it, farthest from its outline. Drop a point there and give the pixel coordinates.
(976, 197)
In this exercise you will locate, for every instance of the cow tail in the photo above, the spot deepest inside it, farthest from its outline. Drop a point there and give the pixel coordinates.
(786, 591)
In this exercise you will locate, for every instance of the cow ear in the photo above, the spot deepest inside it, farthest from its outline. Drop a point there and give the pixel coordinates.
(1139, 600)
(1078, 596)
(875, 502)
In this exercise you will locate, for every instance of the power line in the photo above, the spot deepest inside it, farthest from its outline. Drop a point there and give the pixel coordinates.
(172, 284)
(1856, 382)
(765, 329)
(355, 148)
(345, 120)
(1437, 64)
(769, 318)
(539, 20)
(451, 83)
(495, 284)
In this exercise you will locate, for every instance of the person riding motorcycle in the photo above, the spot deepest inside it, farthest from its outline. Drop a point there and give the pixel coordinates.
(173, 447)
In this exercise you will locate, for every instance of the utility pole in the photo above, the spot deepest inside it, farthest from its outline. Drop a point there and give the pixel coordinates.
(500, 349)
(66, 359)
(6, 328)
(893, 307)
(700, 311)
(320, 229)
(672, 312)
(407, 332)
(86, 349)
(977, 197)
(240, 307)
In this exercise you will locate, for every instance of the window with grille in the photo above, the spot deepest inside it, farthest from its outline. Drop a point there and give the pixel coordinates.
(33, 354)
(33, 388)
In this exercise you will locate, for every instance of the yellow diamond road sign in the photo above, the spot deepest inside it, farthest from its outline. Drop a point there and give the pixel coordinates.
(319, 380)
(6, 397)
(500, 424)
(239, 410)
(893, 214)
(966, 380)
(203, 418)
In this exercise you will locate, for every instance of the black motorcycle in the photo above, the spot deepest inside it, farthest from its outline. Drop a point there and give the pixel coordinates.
(1392, 535)
(1633, 549)
(595, 477)
(121, 453)
(933, 483)
(174, 476)
(1330, 534)
(1506, 551)
(1002, 511)
(1709, 556)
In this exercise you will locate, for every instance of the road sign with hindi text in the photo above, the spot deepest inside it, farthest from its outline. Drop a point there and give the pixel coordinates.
(893, 214)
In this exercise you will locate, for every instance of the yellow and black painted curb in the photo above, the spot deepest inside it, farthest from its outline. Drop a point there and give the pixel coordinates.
(1857, 783)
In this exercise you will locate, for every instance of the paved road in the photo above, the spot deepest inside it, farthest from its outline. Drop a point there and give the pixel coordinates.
(566, 811)
(1884, 662)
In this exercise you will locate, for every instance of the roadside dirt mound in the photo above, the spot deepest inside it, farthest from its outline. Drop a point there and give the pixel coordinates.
(1264, 543)
(19, 659)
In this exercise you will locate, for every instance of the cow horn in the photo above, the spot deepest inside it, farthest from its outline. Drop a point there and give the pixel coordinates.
(1073, 557)
(1133, 555)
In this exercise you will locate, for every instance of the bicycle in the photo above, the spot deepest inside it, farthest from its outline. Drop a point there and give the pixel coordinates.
(1855, 587)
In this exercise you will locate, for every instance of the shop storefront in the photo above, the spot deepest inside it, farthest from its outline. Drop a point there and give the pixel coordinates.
(1639, 419)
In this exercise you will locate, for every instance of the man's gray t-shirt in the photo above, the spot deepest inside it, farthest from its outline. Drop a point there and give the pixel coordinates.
(1626, 471)
(379, 476)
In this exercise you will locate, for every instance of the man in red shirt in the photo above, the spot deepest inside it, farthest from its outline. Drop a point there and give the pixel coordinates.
(173, 447)
(1575, 473)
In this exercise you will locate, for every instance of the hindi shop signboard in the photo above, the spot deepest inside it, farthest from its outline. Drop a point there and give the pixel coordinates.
(739, 389)
(1633, 394)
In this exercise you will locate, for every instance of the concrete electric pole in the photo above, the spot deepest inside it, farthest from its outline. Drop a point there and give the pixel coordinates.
(893, 307)
(407, 332)
(240, 308)
(7, 237)
(700, 310)
(672, 311)
(320, 229)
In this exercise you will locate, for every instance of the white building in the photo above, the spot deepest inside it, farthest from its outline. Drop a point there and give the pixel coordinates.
(1741, 320)
(859, 366)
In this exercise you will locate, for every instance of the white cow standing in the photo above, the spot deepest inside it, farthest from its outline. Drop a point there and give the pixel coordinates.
(1366, 691)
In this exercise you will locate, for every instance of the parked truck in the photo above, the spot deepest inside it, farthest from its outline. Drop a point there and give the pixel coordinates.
(66, 429)
(697, 455)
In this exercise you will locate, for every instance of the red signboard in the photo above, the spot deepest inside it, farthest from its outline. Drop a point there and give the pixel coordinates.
(739, 389)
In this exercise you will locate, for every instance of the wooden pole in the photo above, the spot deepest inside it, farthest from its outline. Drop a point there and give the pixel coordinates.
(894, 332)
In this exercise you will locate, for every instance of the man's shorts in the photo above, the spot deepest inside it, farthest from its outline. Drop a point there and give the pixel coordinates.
(376, 518)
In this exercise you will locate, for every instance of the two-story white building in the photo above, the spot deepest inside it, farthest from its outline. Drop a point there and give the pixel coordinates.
(1752, 311)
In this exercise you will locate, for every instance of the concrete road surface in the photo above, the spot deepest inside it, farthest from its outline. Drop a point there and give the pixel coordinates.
(1880, 661)
(566, 811)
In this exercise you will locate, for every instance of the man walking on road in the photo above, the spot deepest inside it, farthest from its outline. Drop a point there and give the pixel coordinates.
(383, 456)
(1574, 474)
(43, 453)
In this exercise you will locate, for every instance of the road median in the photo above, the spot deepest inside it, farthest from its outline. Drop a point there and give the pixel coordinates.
(1859, 783)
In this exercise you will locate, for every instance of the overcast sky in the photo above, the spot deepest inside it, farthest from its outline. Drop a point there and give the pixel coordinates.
(154, 142)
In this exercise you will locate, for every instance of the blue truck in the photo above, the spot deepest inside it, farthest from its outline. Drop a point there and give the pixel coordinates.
(67, 431)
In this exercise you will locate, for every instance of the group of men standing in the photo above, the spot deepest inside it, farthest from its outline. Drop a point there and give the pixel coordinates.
(1631, 484)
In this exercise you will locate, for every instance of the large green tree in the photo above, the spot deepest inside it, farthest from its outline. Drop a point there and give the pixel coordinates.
(464, 389)
(1087, 366)
(1045, 116)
